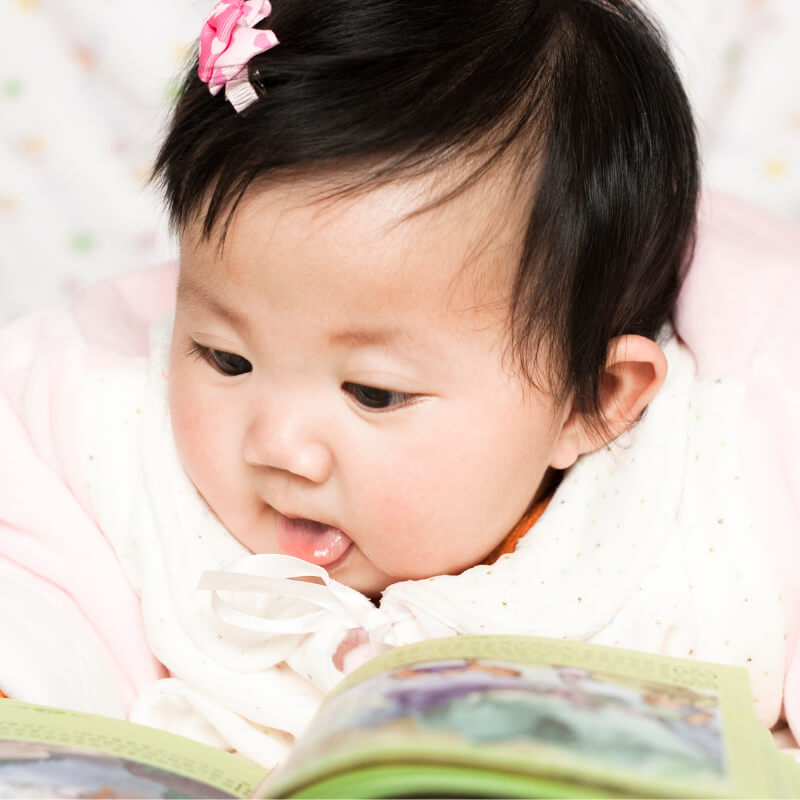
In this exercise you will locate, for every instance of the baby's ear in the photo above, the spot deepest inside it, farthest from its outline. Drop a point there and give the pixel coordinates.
(634, 372)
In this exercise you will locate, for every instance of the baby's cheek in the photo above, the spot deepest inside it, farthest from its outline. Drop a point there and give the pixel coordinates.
(412, 527)
(189, 438)
(193, 426)
(388, 514)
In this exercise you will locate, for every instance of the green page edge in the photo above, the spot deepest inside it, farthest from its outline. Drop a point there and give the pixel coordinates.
(116, 737)
(400, 780)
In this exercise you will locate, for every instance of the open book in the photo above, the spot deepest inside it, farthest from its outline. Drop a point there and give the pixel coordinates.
(480, 716)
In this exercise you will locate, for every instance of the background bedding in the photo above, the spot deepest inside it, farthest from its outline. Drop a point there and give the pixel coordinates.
(83, 85)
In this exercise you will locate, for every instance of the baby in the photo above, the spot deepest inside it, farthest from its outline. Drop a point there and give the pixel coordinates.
(421, 357)
(408, 292)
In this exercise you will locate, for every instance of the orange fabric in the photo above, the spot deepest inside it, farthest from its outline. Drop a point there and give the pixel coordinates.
(3, 695)
(520, 529)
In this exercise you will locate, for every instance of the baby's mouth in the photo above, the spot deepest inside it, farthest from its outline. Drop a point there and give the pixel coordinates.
(312, 541)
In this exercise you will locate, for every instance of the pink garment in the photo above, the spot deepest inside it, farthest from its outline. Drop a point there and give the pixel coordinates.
(50, 546)
(738, 314)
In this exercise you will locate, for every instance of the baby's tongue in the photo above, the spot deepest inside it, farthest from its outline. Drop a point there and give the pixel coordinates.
(312, 541)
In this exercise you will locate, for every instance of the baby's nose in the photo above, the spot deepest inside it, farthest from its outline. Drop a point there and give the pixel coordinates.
(291, 441)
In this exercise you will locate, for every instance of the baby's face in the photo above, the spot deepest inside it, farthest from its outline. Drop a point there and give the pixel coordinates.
(339, 383)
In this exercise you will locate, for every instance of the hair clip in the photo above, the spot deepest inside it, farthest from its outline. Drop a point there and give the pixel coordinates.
(227, 42)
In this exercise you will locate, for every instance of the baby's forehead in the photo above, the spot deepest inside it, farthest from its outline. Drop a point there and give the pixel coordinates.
(364, 262)
(465, 233)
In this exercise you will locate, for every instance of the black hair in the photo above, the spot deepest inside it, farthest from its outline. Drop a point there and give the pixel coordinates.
(581, 94)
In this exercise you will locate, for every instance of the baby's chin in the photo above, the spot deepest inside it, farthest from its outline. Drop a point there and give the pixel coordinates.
(360, 574)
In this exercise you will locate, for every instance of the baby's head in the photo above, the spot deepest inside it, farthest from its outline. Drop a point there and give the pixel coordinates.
(423, 271)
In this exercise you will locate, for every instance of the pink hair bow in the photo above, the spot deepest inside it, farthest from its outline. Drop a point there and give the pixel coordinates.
(227, 42)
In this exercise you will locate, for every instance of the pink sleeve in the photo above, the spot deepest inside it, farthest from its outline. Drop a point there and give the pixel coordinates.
(64, 602)
(739, 313)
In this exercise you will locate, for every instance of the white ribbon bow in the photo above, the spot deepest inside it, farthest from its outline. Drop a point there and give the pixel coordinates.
(274, 575)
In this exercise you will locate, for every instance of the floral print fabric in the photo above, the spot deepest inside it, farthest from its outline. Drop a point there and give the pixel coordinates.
(83, 105)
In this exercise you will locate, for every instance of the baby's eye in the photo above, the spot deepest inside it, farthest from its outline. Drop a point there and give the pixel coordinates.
(226, 363)
(377, 399)
(229, 363)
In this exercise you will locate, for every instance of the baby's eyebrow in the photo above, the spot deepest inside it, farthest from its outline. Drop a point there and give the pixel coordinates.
(383, 337)
(196, 295)
(366, 337)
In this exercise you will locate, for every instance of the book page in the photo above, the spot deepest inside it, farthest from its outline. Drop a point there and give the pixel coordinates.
(570, 712)
(43, 747)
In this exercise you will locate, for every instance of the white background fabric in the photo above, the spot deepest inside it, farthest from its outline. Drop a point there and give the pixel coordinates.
(84, 87)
